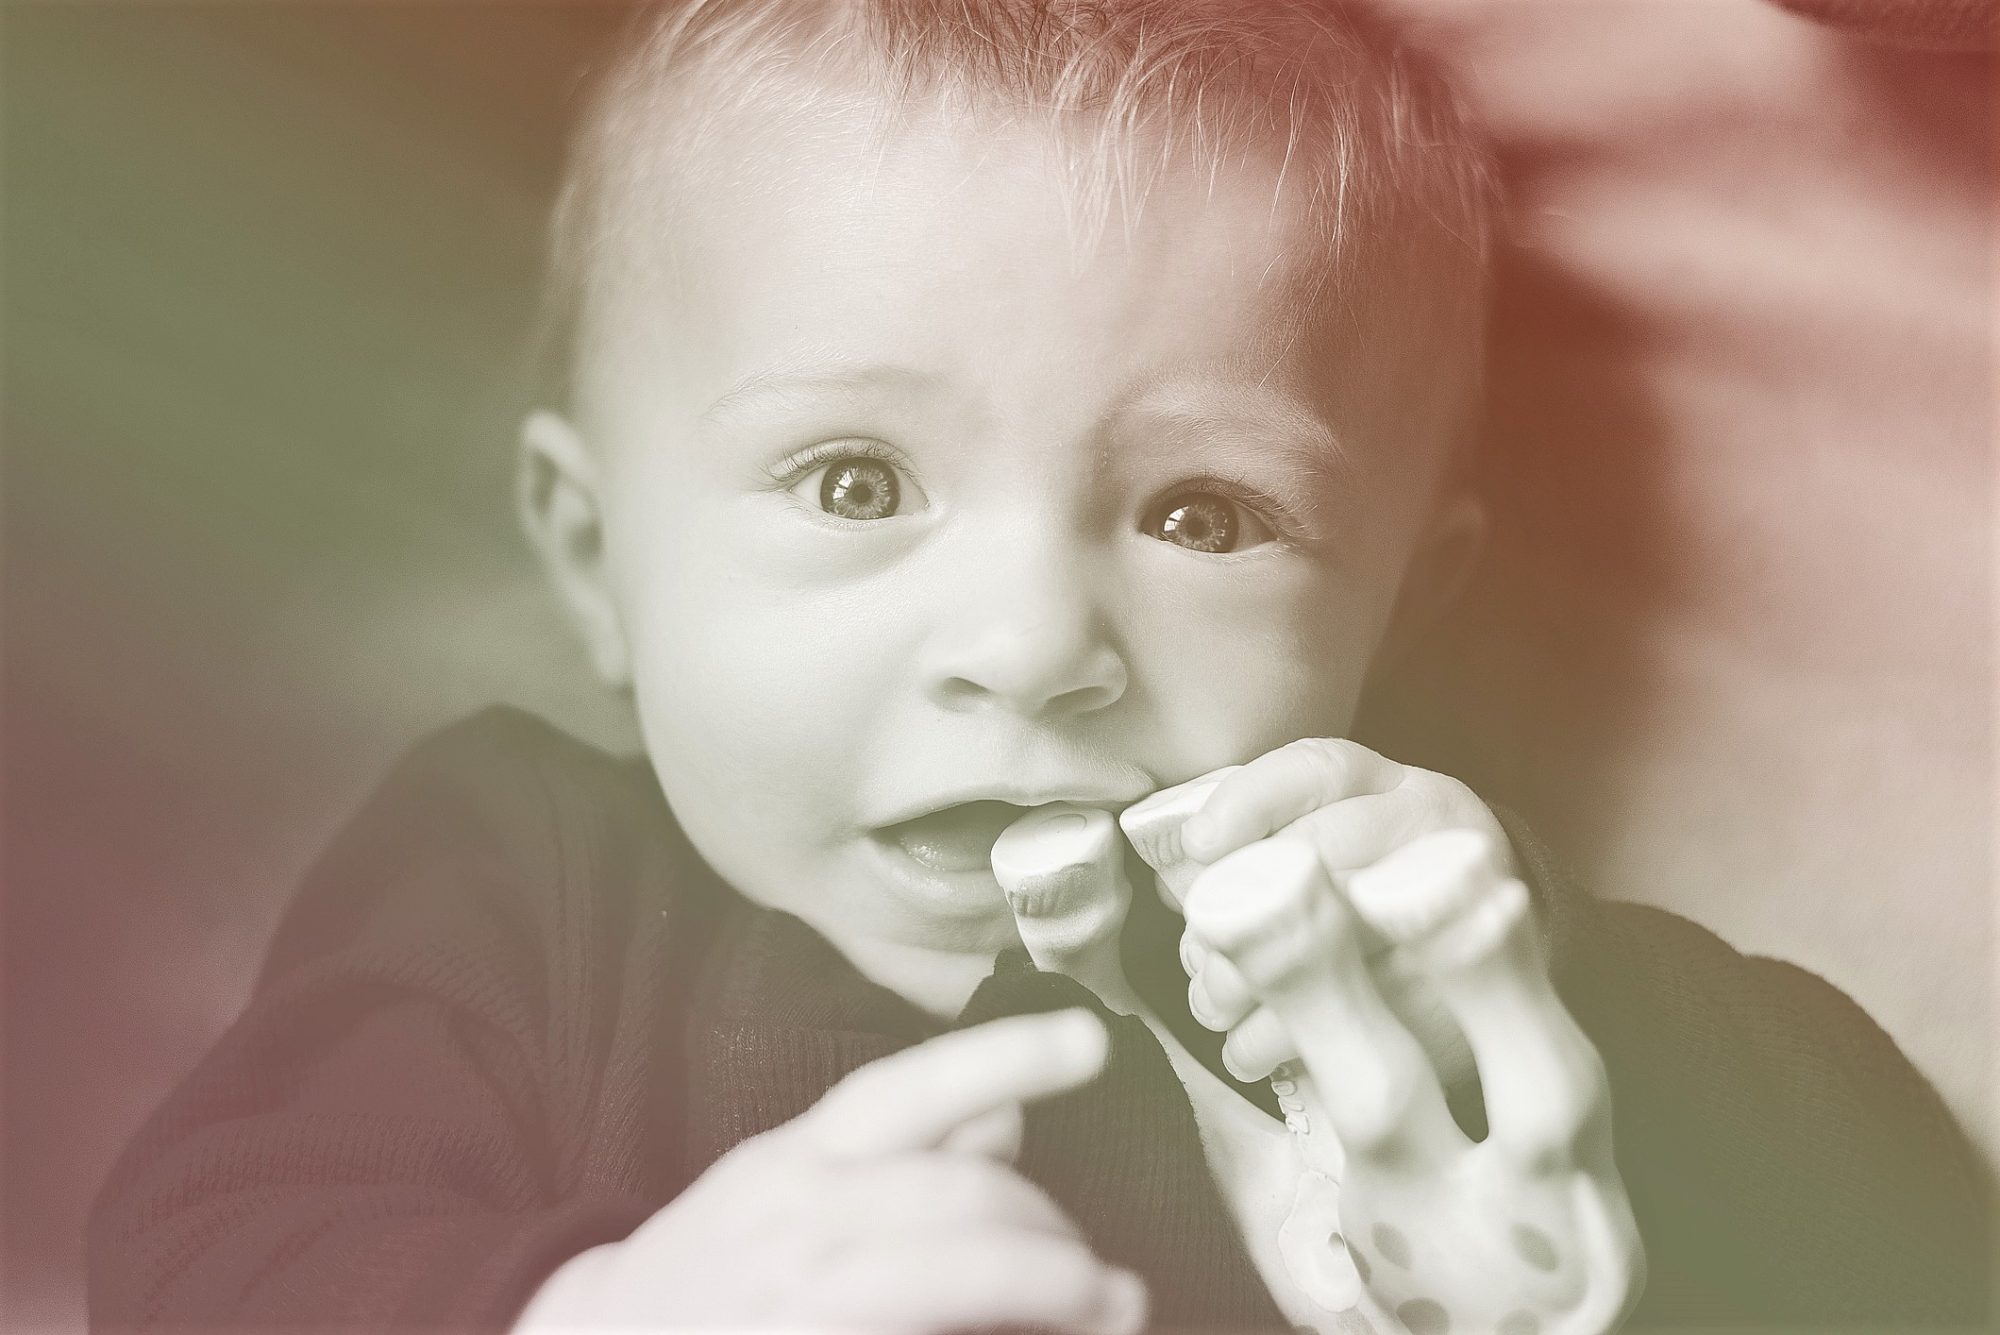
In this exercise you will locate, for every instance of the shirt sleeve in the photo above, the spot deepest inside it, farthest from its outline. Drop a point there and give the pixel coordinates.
(379, 1143)
(1785, 1161)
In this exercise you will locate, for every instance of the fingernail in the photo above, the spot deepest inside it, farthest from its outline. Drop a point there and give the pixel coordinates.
(1122, 1308)
(1198, 1003)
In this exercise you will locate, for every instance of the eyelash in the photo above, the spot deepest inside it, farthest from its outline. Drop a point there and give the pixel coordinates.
(788, 473)
(1278, 516)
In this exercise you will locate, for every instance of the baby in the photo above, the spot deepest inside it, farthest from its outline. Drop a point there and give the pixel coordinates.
(973, 412)
(981, 421)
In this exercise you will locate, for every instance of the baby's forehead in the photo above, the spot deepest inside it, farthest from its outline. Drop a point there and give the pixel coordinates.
(874, 192)
(900, 244)
(955, 283)
(674, 135)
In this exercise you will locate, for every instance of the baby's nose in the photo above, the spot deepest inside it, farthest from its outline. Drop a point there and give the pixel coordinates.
(1034, 643)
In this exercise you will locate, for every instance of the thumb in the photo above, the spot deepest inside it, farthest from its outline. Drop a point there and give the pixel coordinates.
(921, 1098)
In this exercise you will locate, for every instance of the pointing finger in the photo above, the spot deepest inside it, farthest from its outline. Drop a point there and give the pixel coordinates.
(919, 1098)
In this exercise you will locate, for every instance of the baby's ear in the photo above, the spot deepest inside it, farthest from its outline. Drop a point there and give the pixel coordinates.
(1441, 565)
(557, 495)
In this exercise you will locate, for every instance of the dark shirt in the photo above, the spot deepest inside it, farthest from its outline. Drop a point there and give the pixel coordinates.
(511, 1014)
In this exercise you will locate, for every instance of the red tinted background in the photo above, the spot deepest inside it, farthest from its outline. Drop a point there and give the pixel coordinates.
(269, 270)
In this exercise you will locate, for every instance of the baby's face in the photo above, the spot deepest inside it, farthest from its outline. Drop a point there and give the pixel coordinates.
(916, 512)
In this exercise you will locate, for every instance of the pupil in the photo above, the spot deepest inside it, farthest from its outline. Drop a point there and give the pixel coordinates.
(1200, 524)
(859, 489)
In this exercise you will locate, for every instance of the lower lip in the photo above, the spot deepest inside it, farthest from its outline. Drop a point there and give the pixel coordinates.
(970, 891)
(953, 857)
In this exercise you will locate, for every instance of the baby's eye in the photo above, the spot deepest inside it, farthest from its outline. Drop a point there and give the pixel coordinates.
(1205, 521)
(855, 486)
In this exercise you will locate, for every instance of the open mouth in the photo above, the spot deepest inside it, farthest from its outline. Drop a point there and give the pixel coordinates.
(954, 839)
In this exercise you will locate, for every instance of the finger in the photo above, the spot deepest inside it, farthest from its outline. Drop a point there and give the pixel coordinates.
(1359, 831)
(1278, 788)
(977, 1279)
(1218, 996)
(995, 1135)
(939, 1191)
(1258, 1046)
(1443, 902)
(916, 1098)
(1195, 954)
(1272, 911)
(1153, 828)
(1363, 830)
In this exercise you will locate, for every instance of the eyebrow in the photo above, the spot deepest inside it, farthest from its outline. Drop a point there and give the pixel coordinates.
(1300, 439)
(791, 380)
(1305, 446)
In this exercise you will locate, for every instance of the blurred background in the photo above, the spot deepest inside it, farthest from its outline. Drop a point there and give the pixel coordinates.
(269, 277)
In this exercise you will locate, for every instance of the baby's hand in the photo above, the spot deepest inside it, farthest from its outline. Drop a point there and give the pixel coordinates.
(889, 1206)
(1353, 806)
(1528, 1230)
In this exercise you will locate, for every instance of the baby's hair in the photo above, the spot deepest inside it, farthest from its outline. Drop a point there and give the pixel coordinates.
(1388, 172)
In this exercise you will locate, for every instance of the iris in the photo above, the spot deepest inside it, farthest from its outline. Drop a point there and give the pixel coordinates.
(1199, 521)
(859, 488)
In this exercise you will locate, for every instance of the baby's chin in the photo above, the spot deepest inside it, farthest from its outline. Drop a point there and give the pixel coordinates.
(927, 933)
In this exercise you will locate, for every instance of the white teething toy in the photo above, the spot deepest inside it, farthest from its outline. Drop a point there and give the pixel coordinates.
(1061, 867)
(1374, 1211)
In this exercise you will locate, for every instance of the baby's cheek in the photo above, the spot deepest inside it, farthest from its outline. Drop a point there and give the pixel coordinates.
(1236, 677)
(721, 699)
(802, 556)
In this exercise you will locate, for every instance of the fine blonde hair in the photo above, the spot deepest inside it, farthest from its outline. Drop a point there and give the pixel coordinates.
(1370, 146)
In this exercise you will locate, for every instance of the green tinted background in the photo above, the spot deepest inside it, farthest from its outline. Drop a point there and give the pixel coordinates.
(269, 274)
(269, 281)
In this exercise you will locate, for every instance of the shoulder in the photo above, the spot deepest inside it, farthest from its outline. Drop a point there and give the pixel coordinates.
(1786, 1161)
(1675, 999)
(1762, 1113)
(494, 833)
(502, 765)
(1666, 970)
(1675, 994)
(442, 1078)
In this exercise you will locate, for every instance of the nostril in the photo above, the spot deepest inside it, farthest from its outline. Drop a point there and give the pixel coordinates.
(1086, 698)
(957, 691)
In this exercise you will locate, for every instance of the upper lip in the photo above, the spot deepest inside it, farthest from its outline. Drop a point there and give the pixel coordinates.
(1110, 795)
